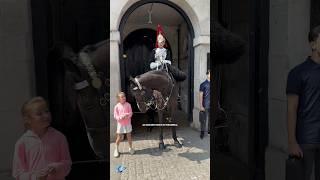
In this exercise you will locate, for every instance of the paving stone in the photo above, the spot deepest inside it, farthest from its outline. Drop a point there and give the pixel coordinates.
(191, 162)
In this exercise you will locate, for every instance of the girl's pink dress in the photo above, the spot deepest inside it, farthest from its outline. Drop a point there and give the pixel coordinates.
(124, 124)
(33, 154)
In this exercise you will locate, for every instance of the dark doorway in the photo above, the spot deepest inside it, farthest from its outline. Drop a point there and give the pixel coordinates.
(76, 23)
(243, 91)
(314, 13)
(184, 50)
(137, 48)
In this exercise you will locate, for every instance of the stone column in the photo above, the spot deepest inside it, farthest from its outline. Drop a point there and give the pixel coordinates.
(288, 46)
(201, 46)
(115, 79)
(17, 75)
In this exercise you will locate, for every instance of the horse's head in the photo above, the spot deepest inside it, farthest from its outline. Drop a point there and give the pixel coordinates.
(142, 94)
(99, 55)
(228, 47)
(102, 56)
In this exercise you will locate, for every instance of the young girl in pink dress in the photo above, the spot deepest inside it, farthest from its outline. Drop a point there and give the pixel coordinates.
(42, 152)
(123, 113)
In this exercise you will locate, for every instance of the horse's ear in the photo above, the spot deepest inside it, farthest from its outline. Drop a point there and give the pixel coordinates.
(131, 79)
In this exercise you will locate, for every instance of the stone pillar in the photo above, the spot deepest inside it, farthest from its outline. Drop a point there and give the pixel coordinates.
(115, 80)
(16, 75)
(201, 46)
(288, 46)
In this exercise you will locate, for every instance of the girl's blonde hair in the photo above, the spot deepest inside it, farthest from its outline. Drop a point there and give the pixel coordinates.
(119, 94)
(28, 105)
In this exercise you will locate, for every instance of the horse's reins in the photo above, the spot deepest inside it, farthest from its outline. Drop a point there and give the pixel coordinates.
(86, 62)
(168, 98)
(138, 83)
(148, 104)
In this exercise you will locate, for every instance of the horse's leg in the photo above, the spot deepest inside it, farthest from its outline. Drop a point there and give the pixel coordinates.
(150, 118)
(174, 134)
(174, 121)
(161, 144)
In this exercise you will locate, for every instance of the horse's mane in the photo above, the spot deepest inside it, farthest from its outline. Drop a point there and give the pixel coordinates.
(101, 54)
(94, 47)
(150, 75)
(156, 79)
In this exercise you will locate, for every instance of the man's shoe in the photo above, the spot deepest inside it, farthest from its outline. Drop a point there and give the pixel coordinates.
(201, 135)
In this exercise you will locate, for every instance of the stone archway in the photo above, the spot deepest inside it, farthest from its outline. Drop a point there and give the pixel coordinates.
(200, 43)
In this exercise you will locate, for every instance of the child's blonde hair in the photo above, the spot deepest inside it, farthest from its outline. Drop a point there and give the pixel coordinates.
(119, 94)
(28, 105)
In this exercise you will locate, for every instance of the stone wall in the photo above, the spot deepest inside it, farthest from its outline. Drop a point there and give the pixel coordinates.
(16, 75)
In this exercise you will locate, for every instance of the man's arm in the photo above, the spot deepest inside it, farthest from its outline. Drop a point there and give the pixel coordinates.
(200, 101)
(292, 105)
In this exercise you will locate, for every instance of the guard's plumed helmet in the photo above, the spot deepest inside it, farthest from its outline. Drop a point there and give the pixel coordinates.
(160, 36)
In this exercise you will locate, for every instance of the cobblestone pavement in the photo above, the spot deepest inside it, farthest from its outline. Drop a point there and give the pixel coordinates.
(191, 162)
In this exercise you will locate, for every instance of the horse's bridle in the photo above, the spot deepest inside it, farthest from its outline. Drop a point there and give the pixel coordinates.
(152, 101)
(96, 82)
(138, 83)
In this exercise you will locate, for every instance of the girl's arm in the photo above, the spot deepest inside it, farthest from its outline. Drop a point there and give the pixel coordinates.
(116, 114)
(63, 167)
(130, 111)
(19, 164)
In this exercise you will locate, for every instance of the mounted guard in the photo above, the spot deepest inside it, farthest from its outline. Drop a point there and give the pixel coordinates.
(160, 58)
(156, 89)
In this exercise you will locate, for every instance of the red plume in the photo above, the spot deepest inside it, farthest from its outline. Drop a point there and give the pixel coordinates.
(160, 31)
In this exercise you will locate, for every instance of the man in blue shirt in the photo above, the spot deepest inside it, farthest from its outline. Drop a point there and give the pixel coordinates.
(303, 94)
(204, 100)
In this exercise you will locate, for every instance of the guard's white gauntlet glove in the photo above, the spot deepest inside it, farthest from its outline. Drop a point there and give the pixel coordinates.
(154, 65)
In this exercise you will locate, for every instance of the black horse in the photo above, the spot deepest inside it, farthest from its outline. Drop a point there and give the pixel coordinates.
(79, 98)
(157, 89)
(228, 47)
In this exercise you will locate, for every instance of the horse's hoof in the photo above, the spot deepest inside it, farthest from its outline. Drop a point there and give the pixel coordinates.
(177, 144)
(161, 146)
